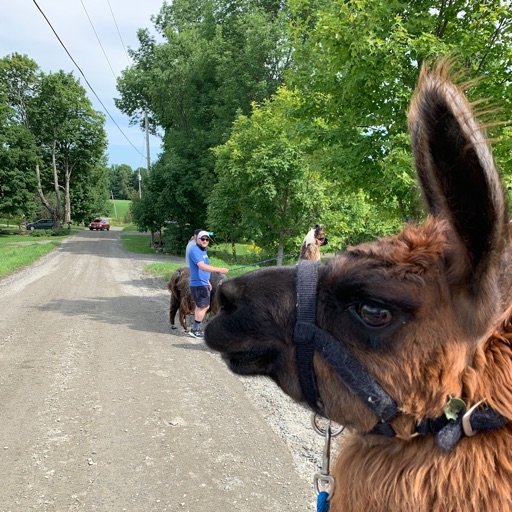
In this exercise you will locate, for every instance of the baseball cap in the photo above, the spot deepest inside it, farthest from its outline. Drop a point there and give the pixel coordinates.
(203, 233)
(197, 231)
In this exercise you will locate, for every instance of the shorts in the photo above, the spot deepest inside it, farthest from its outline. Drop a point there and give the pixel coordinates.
(201, 296)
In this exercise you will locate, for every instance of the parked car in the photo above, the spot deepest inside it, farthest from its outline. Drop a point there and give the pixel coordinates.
(40, 224)
(100, 224)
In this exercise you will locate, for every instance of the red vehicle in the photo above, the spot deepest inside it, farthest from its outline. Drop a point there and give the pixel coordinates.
(100, 224)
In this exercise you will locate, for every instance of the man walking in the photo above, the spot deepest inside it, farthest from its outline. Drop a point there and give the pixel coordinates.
(191, 243)
(200, 286)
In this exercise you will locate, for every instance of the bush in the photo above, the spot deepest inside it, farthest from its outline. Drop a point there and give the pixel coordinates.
(175, 239)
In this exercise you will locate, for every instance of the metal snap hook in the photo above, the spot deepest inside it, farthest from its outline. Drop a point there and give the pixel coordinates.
(322, 480)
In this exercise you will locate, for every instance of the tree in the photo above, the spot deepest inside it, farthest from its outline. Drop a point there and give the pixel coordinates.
(147, 211)
(68, 131)
(121, 181)
(266, 191)
(356, 65)
(67, 137)
(216, 58)
(18, 152)
(17, 159)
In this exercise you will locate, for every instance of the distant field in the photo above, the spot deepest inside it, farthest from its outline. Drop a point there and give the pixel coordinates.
(118, 210)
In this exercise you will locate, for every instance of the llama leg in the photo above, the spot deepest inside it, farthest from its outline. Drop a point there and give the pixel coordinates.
(183, 319)
(173, 308)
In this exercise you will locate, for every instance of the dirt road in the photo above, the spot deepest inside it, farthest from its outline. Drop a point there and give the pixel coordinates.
(102, 408)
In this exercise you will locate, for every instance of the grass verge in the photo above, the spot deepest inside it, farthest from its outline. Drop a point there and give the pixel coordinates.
(17, 251)
(139, 244)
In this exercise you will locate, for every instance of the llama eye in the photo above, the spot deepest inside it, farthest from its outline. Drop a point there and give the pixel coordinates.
(374, 316)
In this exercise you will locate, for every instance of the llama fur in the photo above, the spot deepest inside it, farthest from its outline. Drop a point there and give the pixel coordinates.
(310, 248)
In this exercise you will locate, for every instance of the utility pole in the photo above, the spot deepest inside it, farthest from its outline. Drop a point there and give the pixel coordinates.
(113, 202)
(146, 125)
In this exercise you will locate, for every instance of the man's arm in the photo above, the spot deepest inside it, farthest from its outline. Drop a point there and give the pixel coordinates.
(209, 268)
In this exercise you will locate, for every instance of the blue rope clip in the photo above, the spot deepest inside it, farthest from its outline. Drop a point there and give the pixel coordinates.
(322, 502)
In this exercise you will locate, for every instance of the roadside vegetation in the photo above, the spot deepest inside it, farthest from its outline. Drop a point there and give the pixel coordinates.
(301, 117)
(18, 251)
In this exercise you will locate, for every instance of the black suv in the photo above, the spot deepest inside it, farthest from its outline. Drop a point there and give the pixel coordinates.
(40, 224)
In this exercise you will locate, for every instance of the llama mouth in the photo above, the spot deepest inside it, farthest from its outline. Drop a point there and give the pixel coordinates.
(254, 362)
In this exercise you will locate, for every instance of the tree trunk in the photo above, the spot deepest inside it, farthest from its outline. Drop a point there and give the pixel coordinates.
(43, 199)
(233, 249)
(56, 219)
(67, 195)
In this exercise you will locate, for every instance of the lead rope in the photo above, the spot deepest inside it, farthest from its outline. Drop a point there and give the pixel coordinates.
(323, 481)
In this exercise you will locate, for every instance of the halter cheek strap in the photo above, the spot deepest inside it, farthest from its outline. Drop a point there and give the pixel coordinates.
(309, 338)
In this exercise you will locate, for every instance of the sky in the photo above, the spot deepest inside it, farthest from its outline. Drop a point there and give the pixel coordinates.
(79, 25)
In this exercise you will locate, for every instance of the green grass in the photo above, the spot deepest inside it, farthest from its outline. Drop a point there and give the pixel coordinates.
(163, 270)
(8, 222)
(118, 210)
(17, 251)
(130, 227)
(139, 244)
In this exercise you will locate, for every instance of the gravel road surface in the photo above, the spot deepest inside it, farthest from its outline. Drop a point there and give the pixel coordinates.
(104, 408)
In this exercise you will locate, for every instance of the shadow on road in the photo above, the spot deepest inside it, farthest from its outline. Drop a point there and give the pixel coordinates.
(192, 346)
(138, 313)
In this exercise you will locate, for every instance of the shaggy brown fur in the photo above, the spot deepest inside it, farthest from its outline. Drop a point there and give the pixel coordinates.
(181, 298)
(428, 313)
(310, 248)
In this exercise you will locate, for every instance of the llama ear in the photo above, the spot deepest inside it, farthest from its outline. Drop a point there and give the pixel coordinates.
(456, 170)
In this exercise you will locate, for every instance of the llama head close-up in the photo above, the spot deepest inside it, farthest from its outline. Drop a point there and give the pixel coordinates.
(386, 335)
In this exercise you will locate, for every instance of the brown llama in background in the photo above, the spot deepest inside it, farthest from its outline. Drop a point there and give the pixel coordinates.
(407, 341)
(310, 248)
(181, 299)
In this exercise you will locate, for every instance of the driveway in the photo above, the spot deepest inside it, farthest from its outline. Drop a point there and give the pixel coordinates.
(103, 408)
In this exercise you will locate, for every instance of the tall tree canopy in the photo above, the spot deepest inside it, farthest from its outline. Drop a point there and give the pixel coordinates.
(356, 64)
(216, 57)
(63, 139)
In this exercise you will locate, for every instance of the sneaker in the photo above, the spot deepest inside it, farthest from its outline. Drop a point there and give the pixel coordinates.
(197, 334)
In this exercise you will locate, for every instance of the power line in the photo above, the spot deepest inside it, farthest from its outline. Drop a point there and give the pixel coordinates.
(118, 32)
(85, 78)
(98, 39)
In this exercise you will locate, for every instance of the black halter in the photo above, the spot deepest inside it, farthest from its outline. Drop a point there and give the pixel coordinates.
(309, 338)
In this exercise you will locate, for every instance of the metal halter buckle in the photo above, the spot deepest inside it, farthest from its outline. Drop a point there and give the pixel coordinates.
(466, 420)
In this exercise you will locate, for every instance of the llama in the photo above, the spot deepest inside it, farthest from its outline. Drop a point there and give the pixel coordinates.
(181, 299)
(314, 239)
(407, 340)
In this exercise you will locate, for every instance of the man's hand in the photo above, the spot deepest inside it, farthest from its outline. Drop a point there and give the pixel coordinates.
(209, 268)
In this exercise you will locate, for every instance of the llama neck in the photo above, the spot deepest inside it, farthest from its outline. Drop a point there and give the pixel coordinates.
(376, 474)
(489, 378)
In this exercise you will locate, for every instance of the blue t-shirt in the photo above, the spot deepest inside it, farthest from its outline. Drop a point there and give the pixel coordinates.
(198, 277)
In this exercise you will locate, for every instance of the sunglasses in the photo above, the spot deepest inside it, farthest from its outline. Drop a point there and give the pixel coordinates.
(204, 239)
